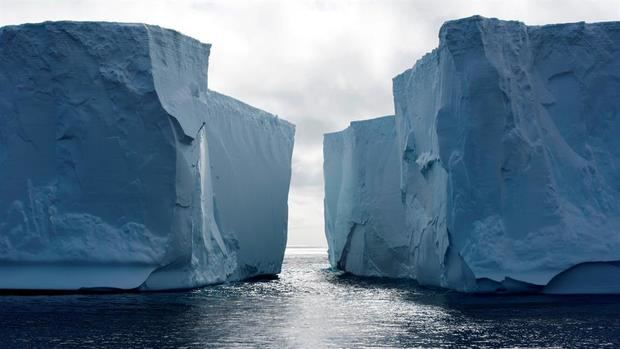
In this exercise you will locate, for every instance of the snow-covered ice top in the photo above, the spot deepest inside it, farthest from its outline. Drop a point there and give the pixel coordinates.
(119, 165)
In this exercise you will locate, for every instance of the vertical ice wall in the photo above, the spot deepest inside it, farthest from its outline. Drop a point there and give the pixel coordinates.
(117, 163)
(364, 217)
(509, 158)
(510, 165)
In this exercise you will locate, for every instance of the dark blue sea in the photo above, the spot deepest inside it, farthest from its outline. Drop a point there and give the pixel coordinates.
(308, 306)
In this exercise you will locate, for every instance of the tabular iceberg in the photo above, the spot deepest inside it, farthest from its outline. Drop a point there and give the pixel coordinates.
(364, 216)
(510, 160)
(120, 169)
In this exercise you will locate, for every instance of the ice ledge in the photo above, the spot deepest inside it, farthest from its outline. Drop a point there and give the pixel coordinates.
(72, 277)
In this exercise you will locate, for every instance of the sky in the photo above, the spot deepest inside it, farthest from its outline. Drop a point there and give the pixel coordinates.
(317, 63)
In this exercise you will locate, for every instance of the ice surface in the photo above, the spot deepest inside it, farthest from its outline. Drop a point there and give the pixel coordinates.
(120, 169)
(510, 157)
(364, 216)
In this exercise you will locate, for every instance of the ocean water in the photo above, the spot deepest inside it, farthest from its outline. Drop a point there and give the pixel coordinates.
(308, 306)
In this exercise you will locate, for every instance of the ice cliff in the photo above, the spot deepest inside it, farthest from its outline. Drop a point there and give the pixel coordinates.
(509, 160)
(120, 169)
(364, 216)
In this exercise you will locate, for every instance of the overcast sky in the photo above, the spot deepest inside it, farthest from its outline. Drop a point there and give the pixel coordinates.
(317, 63)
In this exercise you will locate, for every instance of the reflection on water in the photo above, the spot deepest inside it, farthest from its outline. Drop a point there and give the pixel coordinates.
(309, 306)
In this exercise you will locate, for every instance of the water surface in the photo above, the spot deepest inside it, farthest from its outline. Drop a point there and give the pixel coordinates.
(308, 306)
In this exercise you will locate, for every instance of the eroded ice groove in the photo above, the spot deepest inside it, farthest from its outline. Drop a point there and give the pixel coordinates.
(120, 169)
(510, 158)
(364, 216)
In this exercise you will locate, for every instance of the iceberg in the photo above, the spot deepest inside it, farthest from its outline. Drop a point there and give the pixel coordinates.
(122, 170)
(509, 158)
(364, 215)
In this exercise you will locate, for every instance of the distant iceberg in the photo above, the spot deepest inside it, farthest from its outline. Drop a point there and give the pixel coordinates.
(509, 162)
(122, 170)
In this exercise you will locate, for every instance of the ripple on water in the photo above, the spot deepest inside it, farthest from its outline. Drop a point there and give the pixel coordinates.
(308, 306)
